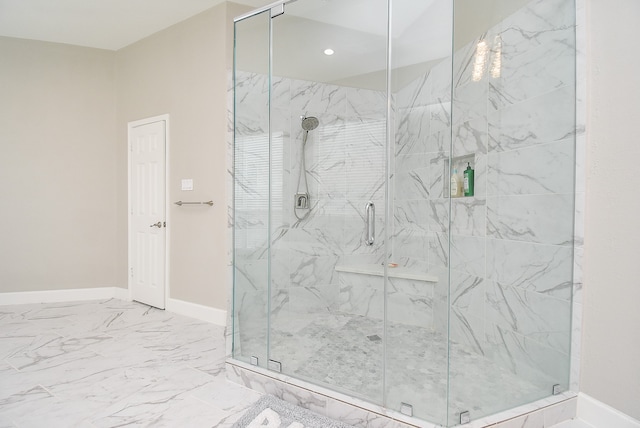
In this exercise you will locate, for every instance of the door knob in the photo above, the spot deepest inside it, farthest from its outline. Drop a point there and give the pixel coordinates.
(158, 225)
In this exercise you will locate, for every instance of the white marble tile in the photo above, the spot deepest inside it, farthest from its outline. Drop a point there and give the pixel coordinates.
(544, 219)
(14, 382)
(409, 309)
(537, 24)
(468, 255)
(359, 417)
(470, 102)
(361, 295)
(439, 142)
(532, 420)
(470, 137)
(413, 184)
(366, 103)
(548, 118)
(533, 73)
(469, 216)
(540, 169)
(545, 269)
(413, 126)
(35, 409)
(310, 98)
(416, 93)
(540, 318)
(252, 97)
(560, 412)
(539, 364)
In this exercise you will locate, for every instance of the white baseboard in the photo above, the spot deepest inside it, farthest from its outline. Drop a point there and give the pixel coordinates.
(188, 309)
(600, 415)
(199, 312)
(55, 296)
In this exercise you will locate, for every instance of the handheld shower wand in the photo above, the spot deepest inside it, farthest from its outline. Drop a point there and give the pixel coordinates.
(301, 200)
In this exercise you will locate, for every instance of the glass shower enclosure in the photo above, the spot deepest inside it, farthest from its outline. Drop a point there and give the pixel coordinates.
(404, 200)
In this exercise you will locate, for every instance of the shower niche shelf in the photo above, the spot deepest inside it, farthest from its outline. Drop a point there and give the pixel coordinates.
(392, 272)
(458, 163)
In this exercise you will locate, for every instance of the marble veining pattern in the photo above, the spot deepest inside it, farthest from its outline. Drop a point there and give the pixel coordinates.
(112, 363)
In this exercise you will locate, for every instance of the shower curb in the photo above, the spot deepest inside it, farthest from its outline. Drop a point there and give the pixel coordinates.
(359, 413)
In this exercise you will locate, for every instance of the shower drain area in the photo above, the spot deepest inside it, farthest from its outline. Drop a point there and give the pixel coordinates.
(343, 352)
(374, 338)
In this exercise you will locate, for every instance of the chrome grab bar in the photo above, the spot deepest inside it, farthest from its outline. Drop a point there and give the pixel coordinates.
(370, 223)
(180, 203)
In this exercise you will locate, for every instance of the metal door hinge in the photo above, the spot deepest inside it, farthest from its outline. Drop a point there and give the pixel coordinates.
(274, 365)
(406, 409)
(277, 10)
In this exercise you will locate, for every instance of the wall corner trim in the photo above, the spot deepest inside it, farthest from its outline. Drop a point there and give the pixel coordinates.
(598, 414)
(199, 312)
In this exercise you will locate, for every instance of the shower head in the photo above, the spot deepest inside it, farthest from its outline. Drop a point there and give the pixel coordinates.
(309, 123)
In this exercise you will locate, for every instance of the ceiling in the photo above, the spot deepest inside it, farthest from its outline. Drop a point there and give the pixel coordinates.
(355, 29)
(104, 24)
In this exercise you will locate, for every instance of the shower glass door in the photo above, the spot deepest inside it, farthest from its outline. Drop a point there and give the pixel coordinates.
(328, 184)
(251, 190)
(417, 290)
(512, 234)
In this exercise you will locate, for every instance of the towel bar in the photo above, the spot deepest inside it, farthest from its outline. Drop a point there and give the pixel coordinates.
(180, 203)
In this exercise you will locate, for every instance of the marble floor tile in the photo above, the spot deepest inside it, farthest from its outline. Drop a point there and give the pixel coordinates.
(111, 363)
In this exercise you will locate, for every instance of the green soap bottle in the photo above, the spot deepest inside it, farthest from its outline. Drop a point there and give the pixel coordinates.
(468, 180)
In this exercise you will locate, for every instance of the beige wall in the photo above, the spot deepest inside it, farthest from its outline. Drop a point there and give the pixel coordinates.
(63, 156)
(611, 338)
(57, 167)
(183, 71)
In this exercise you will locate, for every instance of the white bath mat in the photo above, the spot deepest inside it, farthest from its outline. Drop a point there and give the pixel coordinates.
(271, 412)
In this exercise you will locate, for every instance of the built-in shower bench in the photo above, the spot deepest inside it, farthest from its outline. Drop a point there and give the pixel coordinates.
(392, 272)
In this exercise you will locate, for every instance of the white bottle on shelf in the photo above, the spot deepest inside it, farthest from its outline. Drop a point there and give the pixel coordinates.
(456, 185)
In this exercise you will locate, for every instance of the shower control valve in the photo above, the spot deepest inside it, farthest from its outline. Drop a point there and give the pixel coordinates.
(301, 201)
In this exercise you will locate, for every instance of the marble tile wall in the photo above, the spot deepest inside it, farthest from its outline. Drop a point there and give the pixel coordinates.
(420, 206)
(345, 163)
(528, 159)
(512, 244)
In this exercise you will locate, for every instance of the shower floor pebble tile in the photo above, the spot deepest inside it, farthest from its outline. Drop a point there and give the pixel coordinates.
(111, 363)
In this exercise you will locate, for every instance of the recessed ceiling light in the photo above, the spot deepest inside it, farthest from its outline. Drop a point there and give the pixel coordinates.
(328, 51)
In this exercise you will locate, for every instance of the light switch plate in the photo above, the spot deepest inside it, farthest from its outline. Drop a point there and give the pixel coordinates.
(187, 184)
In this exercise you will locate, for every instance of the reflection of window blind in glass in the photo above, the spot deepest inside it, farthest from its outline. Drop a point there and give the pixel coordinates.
(277, 177)
(364, 157)
(252, 175)
(252, 170)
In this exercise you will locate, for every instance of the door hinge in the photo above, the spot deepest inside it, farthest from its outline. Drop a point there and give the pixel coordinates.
(277, 10)
(131, 270)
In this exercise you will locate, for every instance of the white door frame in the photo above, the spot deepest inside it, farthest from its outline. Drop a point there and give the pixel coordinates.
(130, 126)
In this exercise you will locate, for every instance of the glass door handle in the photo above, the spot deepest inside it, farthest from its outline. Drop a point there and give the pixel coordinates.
(370, 223)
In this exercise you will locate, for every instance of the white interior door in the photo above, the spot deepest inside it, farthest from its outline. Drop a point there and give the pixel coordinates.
(147, 221)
